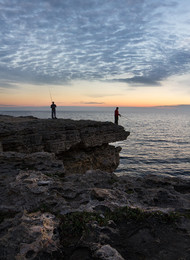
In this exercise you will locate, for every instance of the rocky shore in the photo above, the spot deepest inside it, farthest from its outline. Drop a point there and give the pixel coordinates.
(59, 197)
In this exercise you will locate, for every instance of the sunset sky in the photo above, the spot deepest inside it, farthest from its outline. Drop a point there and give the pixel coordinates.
(94, 52)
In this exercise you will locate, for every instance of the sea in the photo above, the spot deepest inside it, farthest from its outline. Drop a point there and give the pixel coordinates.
(159, 140)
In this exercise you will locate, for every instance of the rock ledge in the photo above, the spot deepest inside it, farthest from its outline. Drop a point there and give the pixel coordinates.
(81, 145)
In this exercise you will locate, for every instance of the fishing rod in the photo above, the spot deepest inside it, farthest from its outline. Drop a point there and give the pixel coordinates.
(50, 94)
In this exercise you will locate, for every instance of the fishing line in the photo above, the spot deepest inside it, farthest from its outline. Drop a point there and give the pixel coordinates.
(127, 126)
(126, 117)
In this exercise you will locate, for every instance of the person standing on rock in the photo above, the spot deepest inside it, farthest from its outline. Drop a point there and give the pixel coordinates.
(116, 115)
(53, 110)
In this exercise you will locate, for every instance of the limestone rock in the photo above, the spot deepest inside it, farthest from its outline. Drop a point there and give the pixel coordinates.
(106, 252)
(26, 195)
(105, 158)
(34, 135)
(35, 235)
(106, 216)
(39, 161)
(81, 145)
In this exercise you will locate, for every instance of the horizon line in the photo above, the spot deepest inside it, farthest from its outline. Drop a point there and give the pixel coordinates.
(158, 106)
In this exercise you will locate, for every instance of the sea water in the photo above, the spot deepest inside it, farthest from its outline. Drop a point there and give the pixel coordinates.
(159, 141)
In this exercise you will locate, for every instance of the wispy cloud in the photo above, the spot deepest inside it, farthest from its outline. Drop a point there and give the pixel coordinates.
(7, 85)
(3, 105)
(92, 103)
(59, 41)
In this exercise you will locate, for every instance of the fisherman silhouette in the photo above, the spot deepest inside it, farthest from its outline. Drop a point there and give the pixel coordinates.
(116, 115)
(53, 110)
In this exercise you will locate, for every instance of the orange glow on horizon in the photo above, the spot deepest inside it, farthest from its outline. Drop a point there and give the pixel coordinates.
(96, 94)
(114, 104)
(33, 100)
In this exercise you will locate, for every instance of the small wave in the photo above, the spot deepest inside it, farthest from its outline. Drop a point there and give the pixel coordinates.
(156, 161)
(142, 141)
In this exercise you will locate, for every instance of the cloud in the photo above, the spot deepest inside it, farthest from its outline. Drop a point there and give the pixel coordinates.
(54, 42)
(176, 64)
(7, 86)
(3, 105)
(92, 103)
(139, 81)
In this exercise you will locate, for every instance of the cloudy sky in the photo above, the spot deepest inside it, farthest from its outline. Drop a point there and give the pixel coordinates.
(94, 52)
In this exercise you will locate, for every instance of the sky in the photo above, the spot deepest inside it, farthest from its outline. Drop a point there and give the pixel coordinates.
(94, 52)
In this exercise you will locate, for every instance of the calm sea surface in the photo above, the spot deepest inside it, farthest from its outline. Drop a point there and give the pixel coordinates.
(159, 140)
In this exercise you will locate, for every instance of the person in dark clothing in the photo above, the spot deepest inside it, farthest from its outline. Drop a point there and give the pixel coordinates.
(116, 114)
(53, 110)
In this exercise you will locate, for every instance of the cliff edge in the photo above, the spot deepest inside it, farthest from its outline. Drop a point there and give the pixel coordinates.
(81, 145)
